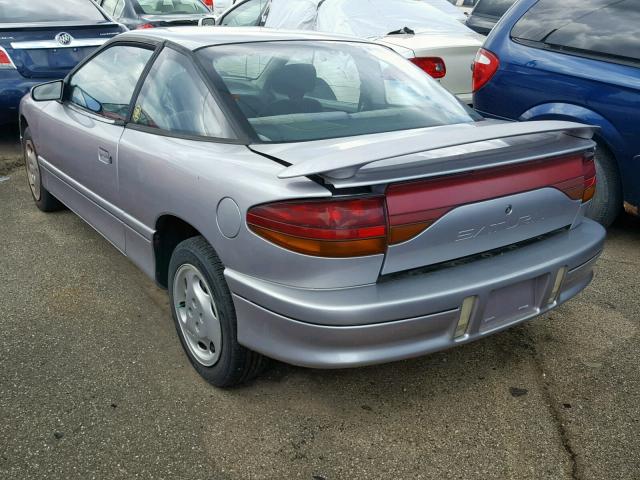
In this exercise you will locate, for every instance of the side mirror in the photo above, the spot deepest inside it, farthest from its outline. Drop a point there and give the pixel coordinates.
(48, 91)
(207, 22)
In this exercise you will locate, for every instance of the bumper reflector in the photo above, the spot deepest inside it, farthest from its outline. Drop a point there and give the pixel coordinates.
(556, 285)
(465, 316)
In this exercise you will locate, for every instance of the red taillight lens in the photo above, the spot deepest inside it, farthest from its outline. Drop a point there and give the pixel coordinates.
(414, 206)
(5, 59)
(144, 26)
(485, 66)
(589, 169)
(209, 3)
(434, 66)
(325, 228)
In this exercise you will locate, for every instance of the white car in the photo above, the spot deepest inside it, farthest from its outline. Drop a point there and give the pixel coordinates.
(433, 40)
(448, 8)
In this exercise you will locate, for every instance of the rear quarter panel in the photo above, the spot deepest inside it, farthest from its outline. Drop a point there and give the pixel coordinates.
(188, 179)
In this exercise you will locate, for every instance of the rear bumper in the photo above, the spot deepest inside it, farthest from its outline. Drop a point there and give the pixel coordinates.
(13, 87)
(412, 315)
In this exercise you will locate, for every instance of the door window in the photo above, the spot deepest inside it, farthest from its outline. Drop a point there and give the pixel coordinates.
(175, 99)
(106, 83)
(247, 14)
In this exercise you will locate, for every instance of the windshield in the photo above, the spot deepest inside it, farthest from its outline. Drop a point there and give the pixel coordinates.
(172, 7)
(298, 91)
(39, 11)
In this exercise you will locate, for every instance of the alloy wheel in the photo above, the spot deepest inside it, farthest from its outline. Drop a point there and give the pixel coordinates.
(197, 315)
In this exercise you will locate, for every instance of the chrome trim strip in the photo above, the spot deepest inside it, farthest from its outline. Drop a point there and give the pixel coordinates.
(137, 226)
(75, 43)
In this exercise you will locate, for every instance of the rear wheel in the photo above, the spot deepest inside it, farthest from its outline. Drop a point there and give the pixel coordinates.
(205, 317)
(607, 202)
(41, 196)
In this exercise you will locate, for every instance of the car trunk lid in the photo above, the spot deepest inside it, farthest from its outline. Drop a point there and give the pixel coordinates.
(455, 191)
(457, 51)
(50, 51)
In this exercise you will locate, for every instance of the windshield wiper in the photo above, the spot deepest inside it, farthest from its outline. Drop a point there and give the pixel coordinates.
(402, 31)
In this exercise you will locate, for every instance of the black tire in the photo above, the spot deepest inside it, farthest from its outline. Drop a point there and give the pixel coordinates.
(41, 196)
(606, 205)
(236, 364)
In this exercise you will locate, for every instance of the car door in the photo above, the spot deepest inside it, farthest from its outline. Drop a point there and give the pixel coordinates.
(82, 138)
(176, 123)
(250, 13)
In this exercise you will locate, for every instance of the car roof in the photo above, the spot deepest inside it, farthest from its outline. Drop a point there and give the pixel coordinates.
(194, 38)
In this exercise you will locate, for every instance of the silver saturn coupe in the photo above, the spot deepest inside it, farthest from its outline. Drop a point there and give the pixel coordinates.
(311, 198)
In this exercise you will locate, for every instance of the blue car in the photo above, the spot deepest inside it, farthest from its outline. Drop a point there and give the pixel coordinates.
(42, 40)
(575, 60)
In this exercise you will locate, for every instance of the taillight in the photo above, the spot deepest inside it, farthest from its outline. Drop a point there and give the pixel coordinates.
(414, 206)
(485, 66)
(589, 169)
(434, 66)
(359, 226)
(349, 227)
(5, 60)
(209, 3)
(144, 26)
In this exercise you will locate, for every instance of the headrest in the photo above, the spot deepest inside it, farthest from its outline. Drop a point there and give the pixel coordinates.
(294, 80)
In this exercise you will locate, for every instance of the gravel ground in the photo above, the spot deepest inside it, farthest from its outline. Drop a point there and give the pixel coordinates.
(93, 382)
(9, 149)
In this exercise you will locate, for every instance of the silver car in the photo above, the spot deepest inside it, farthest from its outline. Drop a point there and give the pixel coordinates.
(309, 198)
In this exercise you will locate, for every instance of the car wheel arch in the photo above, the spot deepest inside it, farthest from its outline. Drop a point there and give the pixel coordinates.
(170, 230)
(607, 135)
(23, 124)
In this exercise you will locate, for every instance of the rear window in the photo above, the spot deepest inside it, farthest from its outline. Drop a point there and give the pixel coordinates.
(297, 91)
(49, 11)
(493, 8)
(603, 28)
(172, 7)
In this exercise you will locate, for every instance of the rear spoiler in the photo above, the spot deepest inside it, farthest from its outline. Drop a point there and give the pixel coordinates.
(341, 159)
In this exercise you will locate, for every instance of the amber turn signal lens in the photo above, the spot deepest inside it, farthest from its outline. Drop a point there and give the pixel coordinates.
(402, 233)
(323, 248)
(588, 193)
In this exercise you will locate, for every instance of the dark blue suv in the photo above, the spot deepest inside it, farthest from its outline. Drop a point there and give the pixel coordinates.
(42, 40)
(572, 60)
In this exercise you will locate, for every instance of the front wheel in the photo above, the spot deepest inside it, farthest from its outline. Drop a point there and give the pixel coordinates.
(41, 196)
(205, 317)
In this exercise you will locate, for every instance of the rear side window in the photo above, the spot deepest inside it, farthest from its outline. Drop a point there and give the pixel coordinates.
(40, 11)
(493, 8)
(601, 28)
(175, 99)
(105, 85)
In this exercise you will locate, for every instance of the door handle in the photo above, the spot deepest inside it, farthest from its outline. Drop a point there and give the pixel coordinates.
(104, 156)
